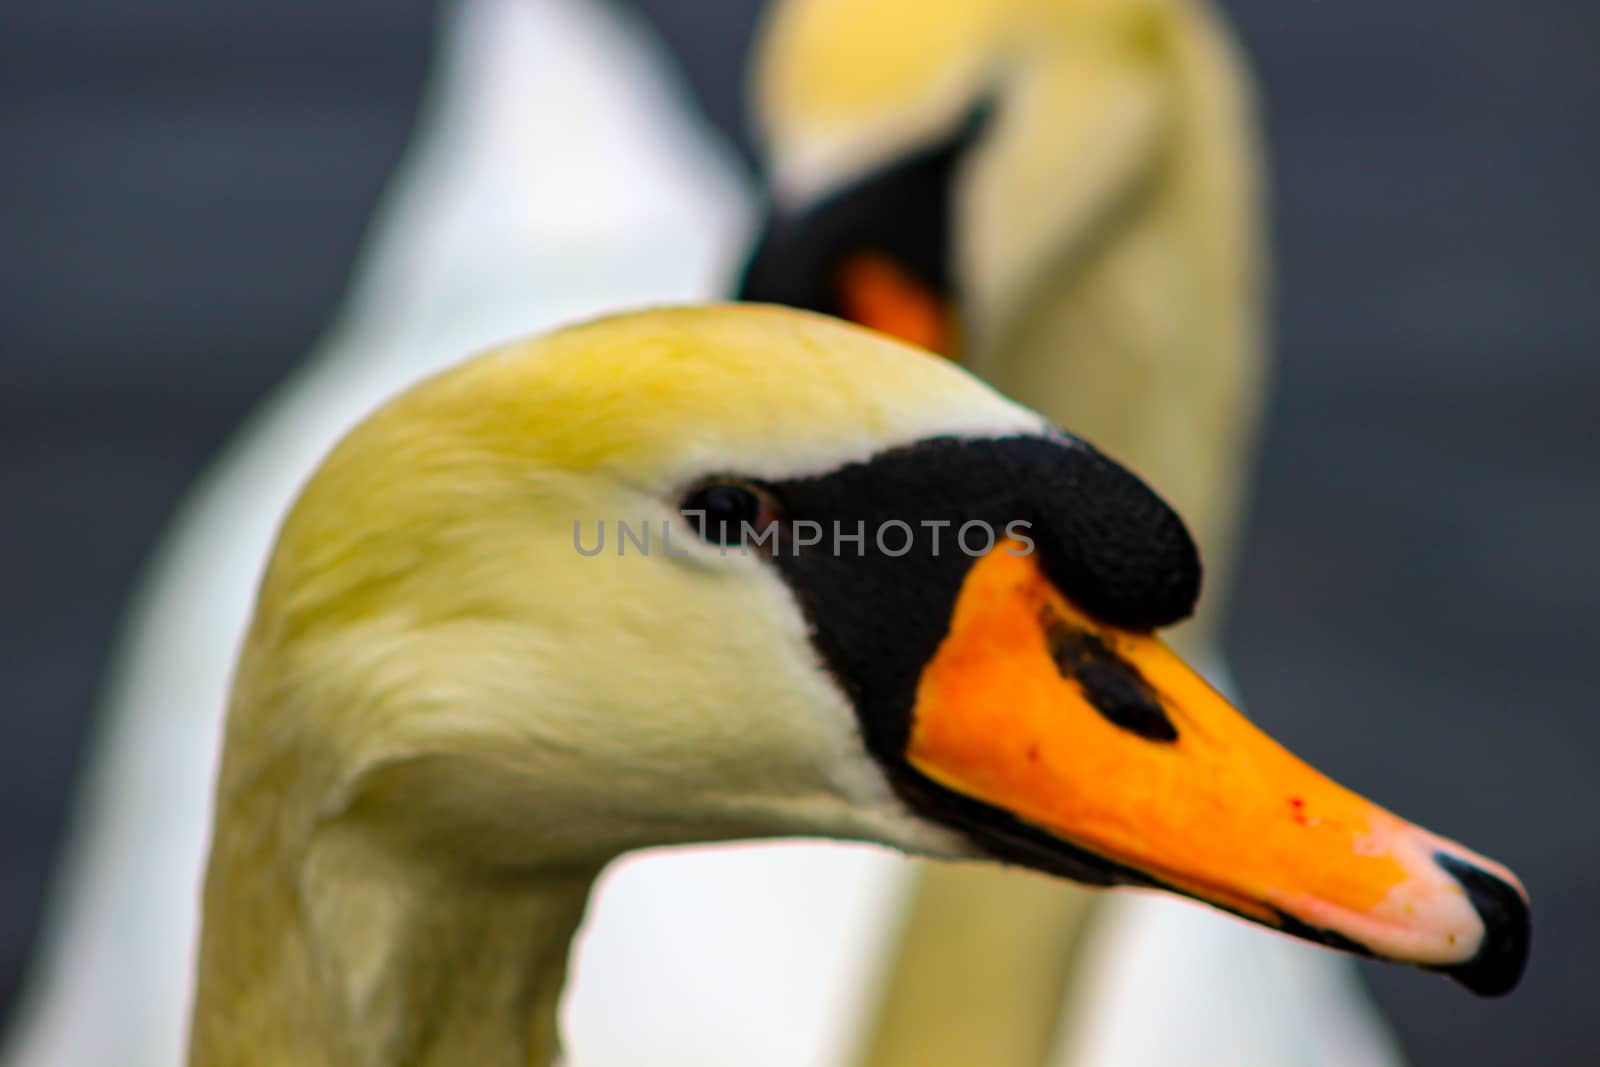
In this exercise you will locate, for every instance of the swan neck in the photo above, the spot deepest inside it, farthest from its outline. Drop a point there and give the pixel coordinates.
(362, 958)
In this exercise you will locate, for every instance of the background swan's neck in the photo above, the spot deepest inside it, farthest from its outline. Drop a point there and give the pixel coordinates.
(1146, 336)
(361, 956)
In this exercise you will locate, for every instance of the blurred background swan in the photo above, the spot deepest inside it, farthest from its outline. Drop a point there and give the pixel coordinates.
(1443, 370)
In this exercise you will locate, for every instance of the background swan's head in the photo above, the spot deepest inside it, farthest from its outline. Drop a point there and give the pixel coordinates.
(859, 594)
(933, 166)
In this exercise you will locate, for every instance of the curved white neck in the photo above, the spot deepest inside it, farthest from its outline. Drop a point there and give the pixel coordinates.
(361, 956)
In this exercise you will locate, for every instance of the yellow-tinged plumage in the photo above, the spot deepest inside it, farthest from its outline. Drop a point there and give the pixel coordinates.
(898, 72)
(433, 668)
(643, 396)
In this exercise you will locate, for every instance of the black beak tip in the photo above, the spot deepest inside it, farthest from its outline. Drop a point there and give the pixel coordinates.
(1507, 930)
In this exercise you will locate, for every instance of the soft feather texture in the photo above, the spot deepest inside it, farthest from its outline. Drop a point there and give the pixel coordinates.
(446, 719)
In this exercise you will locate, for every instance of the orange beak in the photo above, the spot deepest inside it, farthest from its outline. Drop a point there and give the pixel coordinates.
(874, 291)
(1105, 741)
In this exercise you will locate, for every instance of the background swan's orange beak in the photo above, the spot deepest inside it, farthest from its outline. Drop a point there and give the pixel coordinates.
(1106, 741)
(876, 292)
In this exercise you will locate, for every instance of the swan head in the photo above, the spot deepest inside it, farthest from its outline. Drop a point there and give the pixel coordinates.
(705, 574)
(934, 168)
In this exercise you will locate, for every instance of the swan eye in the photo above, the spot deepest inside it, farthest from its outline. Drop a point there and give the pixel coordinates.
(728, 513)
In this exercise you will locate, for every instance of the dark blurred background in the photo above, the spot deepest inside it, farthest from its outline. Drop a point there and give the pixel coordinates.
(183, 185)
